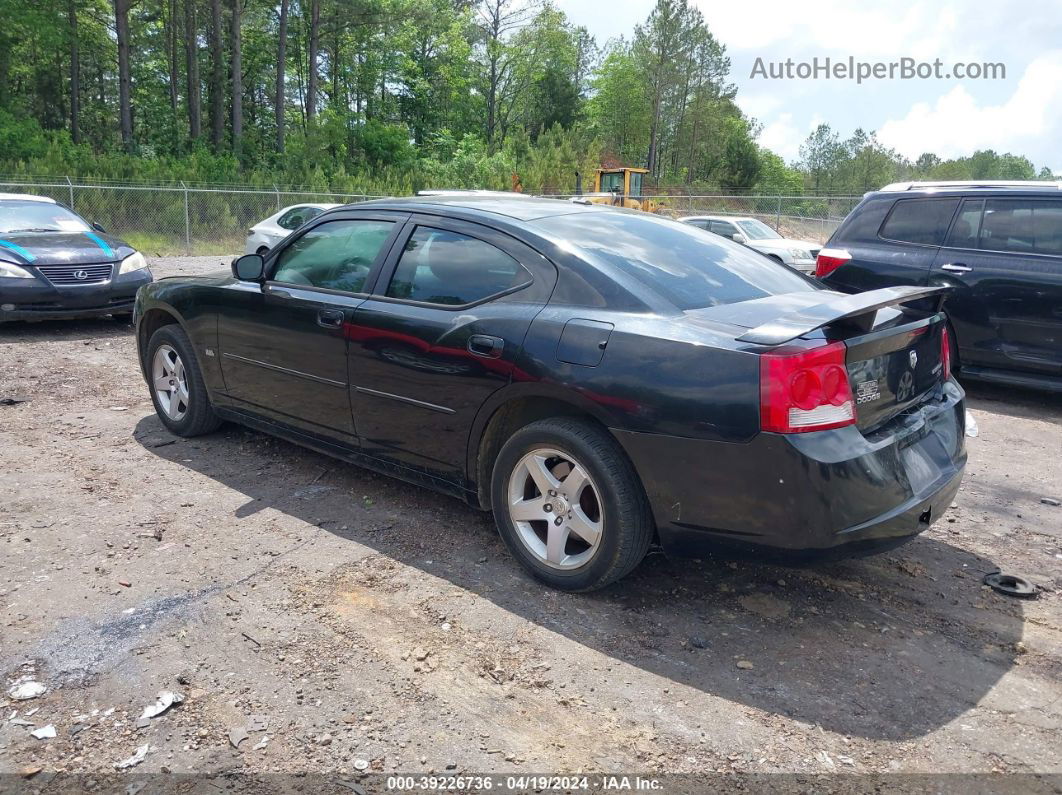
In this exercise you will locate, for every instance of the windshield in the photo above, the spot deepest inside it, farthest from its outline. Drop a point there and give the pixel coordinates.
(690, 269)
(757, 230)
(30, 216)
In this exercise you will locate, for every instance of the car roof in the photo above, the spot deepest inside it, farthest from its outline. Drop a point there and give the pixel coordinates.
(973, 186)
(471, 192)
(717, 218)
(29, 197)
(519, 206)
(322, 205)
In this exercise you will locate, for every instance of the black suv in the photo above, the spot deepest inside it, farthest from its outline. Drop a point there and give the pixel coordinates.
(999, 244)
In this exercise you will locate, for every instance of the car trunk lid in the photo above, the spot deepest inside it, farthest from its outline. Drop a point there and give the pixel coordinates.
(892, 350)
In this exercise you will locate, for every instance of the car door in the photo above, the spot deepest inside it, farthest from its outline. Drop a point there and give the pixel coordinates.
(283, 343)
(439, 335)
(1004, 258)
(906, 244)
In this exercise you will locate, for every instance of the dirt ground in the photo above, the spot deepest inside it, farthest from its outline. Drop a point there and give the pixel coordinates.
(319, 617)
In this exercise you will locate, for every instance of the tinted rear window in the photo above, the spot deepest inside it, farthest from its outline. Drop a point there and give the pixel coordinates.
(687, 266)
(922, 221)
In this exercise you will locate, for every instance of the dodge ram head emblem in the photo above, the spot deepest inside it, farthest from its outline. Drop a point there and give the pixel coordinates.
(81, 275)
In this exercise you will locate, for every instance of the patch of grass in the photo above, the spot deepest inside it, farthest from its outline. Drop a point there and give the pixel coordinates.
(156, 245)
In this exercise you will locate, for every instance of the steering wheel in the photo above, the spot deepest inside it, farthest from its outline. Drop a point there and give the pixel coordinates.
(292, 277)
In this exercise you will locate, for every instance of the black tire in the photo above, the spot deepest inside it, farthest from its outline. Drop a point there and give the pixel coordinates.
(262, 251)
(199, 417)
(627, 522)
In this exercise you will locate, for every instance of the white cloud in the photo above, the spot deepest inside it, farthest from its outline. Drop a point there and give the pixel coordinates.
(897, 28)
(758, 106)
(956, 124)
(783, 136)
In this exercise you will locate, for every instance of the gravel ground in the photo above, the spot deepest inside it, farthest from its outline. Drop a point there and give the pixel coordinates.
(344, 621)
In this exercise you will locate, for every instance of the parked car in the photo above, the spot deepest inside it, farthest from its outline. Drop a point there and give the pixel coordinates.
(597, 377)
(754, 233)
(55, 264)
(265, 234)
(998, 245)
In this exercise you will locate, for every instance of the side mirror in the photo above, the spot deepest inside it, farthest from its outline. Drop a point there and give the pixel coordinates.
(98, 227)
(739, 238)
(249, 267)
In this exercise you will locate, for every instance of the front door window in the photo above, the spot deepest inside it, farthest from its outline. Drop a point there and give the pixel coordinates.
(337, 255)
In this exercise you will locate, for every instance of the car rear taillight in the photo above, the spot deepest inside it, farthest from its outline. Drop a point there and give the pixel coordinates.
(829, 260)
(806, 391)
(945, 355)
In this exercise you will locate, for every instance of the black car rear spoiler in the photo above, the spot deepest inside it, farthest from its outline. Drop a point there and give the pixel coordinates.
(856, 310)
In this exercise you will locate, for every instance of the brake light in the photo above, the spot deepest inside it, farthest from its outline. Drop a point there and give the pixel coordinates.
(829, 260)
(945, 354)
(806, 391)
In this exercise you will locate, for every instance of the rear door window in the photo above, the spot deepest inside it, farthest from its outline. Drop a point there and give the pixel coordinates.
(1022, 226)
(297, 216)
(724, 228)
(922, 221)
(443, 267)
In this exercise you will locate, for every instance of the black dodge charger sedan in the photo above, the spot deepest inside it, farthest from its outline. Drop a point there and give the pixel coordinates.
(54, 264)
(599, 378)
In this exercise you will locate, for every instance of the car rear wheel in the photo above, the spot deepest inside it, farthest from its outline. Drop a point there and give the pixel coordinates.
(177, 387)
(569, 504)
(262, 251)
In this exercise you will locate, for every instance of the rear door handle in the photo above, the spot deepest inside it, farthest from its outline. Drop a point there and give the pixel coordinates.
(486, 346)
(330, 318)
(956, 267)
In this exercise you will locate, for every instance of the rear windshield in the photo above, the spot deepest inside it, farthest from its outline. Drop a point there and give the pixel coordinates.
(688, 266)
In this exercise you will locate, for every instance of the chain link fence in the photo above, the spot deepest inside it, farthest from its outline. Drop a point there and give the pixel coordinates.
(176, 219)
(207, 220)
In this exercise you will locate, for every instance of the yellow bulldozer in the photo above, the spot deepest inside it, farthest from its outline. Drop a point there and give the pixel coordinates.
(619, 187)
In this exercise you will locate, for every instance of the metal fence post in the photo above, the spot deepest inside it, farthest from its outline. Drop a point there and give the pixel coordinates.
(778, 213)
(70, 186)
(277, 191)
(187, 222)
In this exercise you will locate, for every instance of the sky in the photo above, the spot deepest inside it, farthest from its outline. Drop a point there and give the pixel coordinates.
(1021, 113)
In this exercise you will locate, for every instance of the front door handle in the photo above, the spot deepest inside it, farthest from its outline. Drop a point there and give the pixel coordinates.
(956, 267)
(330, 318)
(486, 346)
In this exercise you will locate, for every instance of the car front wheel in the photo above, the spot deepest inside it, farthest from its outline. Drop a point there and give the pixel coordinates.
(569, 504)
(177, 387)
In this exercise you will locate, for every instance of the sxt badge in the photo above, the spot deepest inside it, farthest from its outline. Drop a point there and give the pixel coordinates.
(867, 391)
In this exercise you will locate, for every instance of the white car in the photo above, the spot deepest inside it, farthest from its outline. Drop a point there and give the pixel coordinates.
(265, 234)
(798, 254)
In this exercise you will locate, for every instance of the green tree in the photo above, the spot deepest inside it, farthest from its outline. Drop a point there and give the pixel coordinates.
(820, 155)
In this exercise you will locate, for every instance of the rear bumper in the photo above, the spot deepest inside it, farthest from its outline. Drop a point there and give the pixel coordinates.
(37, 299)
(835, 493)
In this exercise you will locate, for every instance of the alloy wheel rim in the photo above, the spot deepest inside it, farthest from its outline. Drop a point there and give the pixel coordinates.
(171, 382)
(556, 508)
